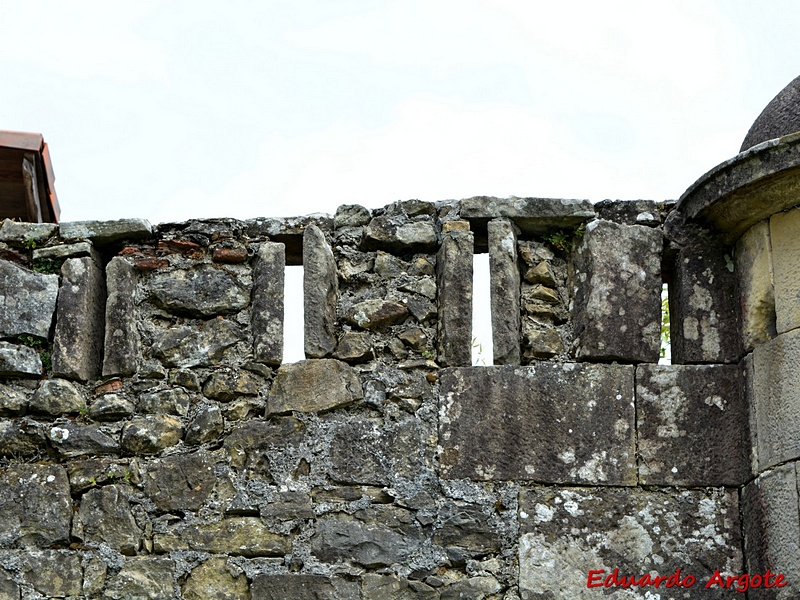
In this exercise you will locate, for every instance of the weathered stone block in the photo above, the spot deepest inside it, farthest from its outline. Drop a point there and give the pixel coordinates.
(776, 391)
(631, 212)
(531, 215)
(354, 347)
(63, 251)
(772, 530)
(172, 402)
(297, 387)
(249, 446)
(35, 506)
(215, 579)
(19, 361)
(267, 320)
(22, 438)
(151, 434)
(692, 425)
(303, 587)
(634, 531)
(204, 345)
(349, 215)
(90, 472)
(784, 228)
(320, 294)
(13, 401)
(111, 407)
(71, 439)
(374, 537)
(145, 577)
(618, 293)
(370, 453)
(229, 384)
(552, 423)
(21, 233)
(105, 517)
(203, 291)
(121, 348)
(473, 587)
(376, 314)
(389, 587)
(57, 397)
(207, 425)
(181, 482)
(80, 327)
(54, 574)
(505, 292)
(466, 528)
(237, 536)
(454, 280)
(703, 303)
(105, 232)
(756, 292)
(396, 233)
(31, 312)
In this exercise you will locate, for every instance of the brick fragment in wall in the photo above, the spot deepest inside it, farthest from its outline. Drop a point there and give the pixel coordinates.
(617, 278)
(785, 242)
(267, 302)
(80, 320)
(121, 347)
(454, 281)
(30, 313)
(772, 529)
(756, 291)
(320, 294)
(776, 395)
(704, 303)
(505, 292)
(636, 531)
(692, 425)
(551, 423)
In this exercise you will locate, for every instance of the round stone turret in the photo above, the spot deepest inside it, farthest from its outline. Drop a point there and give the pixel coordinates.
(780, 117)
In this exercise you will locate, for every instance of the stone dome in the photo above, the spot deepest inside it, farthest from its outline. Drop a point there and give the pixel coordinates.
(780, 117)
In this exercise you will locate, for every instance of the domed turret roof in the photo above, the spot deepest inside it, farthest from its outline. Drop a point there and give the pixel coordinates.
(780, 117)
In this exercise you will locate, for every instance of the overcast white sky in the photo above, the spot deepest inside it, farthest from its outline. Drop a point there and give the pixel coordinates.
(169, 110)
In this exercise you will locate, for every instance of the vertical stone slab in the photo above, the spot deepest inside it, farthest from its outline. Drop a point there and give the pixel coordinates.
(505, 291)
(267, 323)
(320, 292)
(756, 293)
(78, 342)
(772, 530)
(454, 280)
(30, 313)
(784, 231)
(776, 391)
(691, 423)
(618, 292)
(703, 303)
(748, 379)
(121, 348)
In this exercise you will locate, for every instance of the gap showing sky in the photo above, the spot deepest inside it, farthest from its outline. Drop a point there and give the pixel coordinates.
(170, 110)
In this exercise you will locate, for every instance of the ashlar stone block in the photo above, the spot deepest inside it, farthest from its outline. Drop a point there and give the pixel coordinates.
(454, 281)
(121, 347)
(31, 312)
(756, 291)
(692, 425)
(267, 322)
(618, 292)
(776, 393)
(80, 327)
(551, 423)
(320, 294)
(784, 229)
(566, 533)
(505, 292)
(772, 529)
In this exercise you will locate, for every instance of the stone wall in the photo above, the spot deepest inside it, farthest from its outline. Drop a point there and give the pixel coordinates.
(153, 444)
